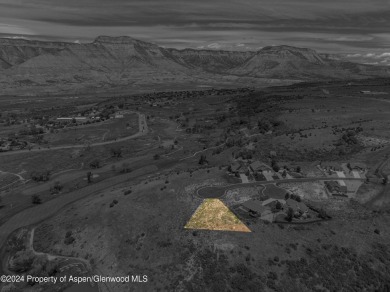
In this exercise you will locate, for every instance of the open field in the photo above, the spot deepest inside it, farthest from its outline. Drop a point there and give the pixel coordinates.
(132, 216)
(100, 132)
(212, 214)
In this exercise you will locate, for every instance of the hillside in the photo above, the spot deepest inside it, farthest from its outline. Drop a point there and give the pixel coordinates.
(123, 61)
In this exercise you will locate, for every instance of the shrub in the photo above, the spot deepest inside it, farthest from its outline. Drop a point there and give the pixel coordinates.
(95, 163)
(36, 199)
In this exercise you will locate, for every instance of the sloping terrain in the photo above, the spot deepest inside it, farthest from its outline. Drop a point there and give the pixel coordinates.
(124, 61)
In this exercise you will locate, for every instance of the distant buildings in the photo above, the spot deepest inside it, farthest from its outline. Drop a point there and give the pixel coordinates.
(70, 119)
(275, 210)
(330, 166)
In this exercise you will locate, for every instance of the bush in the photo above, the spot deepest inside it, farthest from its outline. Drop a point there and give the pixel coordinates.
(69, 240)
(36, 199)
(94, 163)
(40, 175)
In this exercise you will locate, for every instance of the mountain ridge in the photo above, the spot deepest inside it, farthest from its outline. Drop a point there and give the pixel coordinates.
(112, 61)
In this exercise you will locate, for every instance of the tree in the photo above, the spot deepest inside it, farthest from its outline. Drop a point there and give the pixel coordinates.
(203, 159)
(56, 188)
(95, 163)
(36, 199)
(322, 214)
(290, 214)
(89, 176)
(276, 167)
(286, 196)
(278, 205)
(298, 169)
(156, 157)
(125, 167)
(116, 152)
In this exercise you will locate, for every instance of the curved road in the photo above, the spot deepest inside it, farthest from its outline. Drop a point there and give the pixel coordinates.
(143, 130)
(38, 213)
(219, 191)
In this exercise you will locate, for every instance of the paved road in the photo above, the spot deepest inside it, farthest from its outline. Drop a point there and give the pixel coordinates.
(143, 130)
(219, 191)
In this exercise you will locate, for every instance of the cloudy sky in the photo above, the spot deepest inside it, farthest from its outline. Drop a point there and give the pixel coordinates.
(359, 29)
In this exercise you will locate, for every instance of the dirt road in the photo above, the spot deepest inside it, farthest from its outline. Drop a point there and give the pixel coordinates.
(39, 213)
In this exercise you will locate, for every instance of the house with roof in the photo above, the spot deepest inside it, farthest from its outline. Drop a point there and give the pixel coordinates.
(255, 208)
(298, 207)
(358, 166)
(271, 202)
(236, 168)
(257, 166)
(334, 188)
(330, 166)
(268, 215)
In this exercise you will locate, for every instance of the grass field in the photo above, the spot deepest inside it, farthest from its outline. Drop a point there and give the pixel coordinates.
(98, 132)
(146, 226)
(212, 214)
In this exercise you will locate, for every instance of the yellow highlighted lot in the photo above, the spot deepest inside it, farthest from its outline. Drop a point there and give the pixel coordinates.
(213, 214)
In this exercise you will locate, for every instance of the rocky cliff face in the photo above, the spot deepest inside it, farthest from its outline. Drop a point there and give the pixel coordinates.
(111, 61)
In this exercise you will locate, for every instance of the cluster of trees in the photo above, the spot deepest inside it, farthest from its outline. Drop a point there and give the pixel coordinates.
(39, 176)
(32, 130)
(267, 124)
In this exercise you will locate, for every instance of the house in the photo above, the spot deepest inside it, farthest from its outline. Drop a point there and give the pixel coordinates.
(255, 208)
(330, 166)
(256, 166)
(236, 168)
(268, 215)
(358, 166)
(297, 206)
(335, 188)
(271, 201)
(280, 217)
(118, 116)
